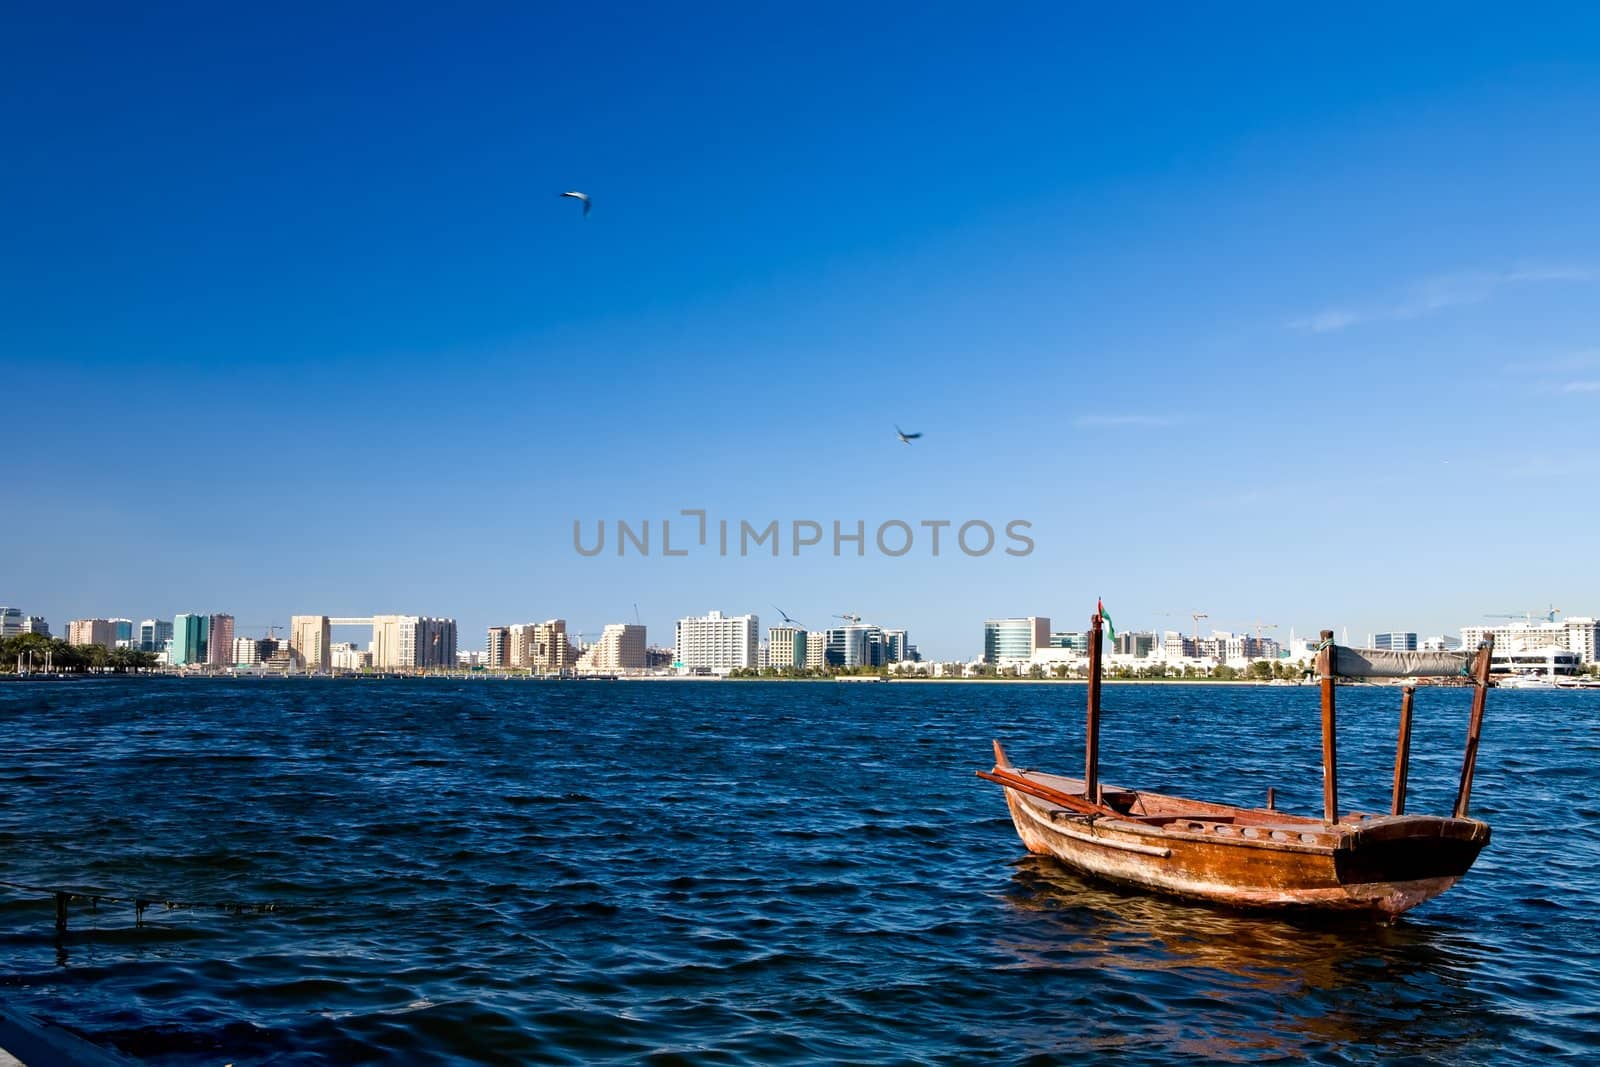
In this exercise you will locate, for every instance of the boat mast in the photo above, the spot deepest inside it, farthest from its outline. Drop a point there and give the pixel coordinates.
(1091, 756)
(1330, 740)
(1480, 678)
(1402, 755)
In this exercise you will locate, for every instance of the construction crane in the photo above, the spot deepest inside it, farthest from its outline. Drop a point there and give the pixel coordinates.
(848, 617)
(1548, 615)
(1259, 625)
(1197, 616)
(269, 627)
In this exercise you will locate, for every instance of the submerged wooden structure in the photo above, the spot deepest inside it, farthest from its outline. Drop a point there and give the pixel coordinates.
(1383, 864)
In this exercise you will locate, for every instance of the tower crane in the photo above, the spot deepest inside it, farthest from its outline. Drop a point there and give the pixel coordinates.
(1548, 615)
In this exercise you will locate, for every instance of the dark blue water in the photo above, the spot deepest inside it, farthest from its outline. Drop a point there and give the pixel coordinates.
(494, 872)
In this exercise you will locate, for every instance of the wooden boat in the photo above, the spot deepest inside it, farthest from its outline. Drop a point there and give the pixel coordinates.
(1383, 864)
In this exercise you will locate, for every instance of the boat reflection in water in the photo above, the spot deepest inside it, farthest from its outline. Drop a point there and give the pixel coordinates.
(1176, 979)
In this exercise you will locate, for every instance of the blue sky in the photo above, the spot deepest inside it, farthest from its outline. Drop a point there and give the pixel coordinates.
(1274, 314)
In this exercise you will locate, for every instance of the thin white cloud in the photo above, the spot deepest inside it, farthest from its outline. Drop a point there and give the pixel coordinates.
(1581, 387)
(1100, 421)
(1324, 321)
(1443, 291)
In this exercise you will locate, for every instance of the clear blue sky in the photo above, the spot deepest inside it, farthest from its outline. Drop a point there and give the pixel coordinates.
(1270, 313)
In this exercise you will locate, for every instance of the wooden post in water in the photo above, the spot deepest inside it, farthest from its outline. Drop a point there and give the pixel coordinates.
(1402, 756)
(1480, 694)
(1091, 756)
(61, 913)
(1330, 742)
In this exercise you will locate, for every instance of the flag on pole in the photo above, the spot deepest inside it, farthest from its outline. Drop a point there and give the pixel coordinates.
(1100, 606)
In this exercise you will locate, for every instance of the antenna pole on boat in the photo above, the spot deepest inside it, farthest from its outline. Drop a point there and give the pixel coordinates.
(1480, 678)
(1402, 756)
(1330, 741)
(1091, 756)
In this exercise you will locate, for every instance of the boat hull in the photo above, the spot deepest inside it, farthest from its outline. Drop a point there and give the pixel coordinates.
(1383, 866)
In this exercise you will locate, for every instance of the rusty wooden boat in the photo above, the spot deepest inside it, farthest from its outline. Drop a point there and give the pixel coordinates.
(1263, 858)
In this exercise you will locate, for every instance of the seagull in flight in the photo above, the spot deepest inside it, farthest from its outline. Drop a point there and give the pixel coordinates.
(580, 196)
(905, 438)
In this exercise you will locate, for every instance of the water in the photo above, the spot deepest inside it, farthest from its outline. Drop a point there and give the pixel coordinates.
(496, 872)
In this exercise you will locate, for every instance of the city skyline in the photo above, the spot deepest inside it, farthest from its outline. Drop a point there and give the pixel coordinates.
(523, 644)
(1253, 303)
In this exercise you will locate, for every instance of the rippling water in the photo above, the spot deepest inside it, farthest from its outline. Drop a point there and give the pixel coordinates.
(506, 872)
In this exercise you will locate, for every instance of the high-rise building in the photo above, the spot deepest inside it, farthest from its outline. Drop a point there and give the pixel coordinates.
(436, 643)
(816, 649)
(717, 644)
(548, 650)
(10, 622)
(394, 641)
(191, 640)
(786, 647)
(35, 624)
(219, 640)
(849, 646)
(620, 648)
(345, 656)
(247, 651)
(1014, 638)
(1574, 633)
(1393, 642)
(1138, 643)
(310, 640)
(102, 632)
(406, 642)
(497, 650)
(154, 634)
(520, 645)
(1077, 640)
(897, 648)
(1583, 637)
(124, 629)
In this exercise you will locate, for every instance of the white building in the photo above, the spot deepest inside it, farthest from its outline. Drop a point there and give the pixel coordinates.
(346, 656)
(1575, 634)
(10, 622)
(716, 643)
(246, 652)
(1538, 662)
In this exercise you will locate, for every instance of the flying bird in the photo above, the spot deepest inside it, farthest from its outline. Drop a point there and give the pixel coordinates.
(580, 196)
(905, 438)
(787, 621)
